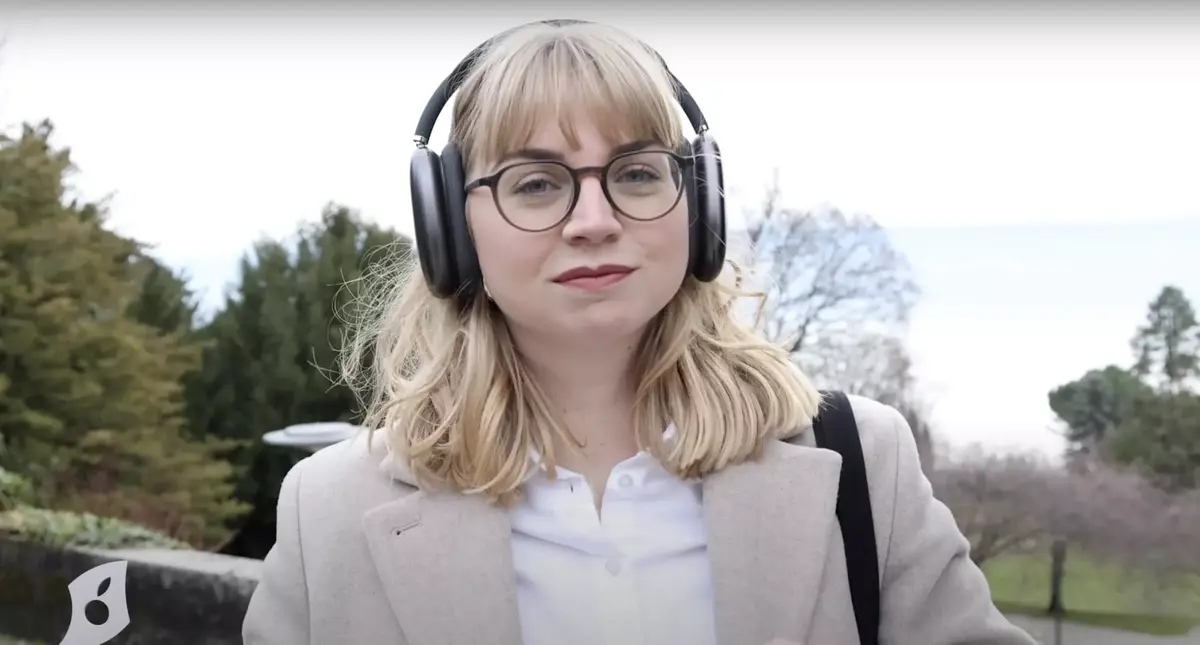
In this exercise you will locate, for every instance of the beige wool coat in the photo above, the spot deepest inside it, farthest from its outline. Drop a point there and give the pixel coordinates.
(364, 556)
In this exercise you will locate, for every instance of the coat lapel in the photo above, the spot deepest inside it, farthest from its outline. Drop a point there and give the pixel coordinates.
(769, 527)
(445, 562)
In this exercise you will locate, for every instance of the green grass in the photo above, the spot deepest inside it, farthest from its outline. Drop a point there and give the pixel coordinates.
(1098, 594)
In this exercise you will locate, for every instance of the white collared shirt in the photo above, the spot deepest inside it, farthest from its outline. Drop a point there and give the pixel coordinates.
(636, 575)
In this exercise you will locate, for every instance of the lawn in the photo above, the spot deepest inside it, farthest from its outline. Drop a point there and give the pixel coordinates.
(1098, 594)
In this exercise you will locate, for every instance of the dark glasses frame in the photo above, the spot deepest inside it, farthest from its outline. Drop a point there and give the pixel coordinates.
(492, 181)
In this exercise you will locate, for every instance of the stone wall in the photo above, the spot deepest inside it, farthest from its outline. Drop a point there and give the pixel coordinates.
(173, 596)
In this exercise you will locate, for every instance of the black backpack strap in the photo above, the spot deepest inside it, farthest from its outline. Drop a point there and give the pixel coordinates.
(835, 429)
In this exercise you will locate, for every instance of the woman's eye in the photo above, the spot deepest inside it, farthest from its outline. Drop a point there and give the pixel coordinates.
(534, 186)
(638, 174)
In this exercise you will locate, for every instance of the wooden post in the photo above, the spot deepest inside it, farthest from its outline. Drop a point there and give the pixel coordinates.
(1058, 557)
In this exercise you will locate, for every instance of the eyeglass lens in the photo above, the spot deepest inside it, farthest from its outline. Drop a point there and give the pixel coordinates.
(537, 195)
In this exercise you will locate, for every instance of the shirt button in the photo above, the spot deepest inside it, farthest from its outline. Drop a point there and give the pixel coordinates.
(626, 481)
(613, 566)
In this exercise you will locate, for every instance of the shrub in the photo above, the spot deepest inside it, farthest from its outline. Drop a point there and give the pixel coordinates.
(80, 530)
(15, 491)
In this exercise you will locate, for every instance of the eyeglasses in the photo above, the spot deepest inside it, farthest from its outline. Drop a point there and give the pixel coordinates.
(536, 196)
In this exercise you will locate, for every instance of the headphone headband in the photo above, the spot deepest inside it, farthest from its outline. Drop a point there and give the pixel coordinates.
(441, 96)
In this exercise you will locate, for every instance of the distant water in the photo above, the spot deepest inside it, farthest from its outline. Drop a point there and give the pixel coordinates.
(1080, 267)
(1010, 312)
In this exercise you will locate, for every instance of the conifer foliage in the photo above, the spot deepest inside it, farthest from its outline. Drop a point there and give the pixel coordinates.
(270, 357)
(92, 363)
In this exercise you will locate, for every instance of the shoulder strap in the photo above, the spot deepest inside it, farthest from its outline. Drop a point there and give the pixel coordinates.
(835, 429)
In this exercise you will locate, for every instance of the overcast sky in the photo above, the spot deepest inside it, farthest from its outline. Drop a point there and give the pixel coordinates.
(214, 125)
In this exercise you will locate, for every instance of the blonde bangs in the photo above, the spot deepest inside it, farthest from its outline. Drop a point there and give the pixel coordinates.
(559, 74)
(448, 388)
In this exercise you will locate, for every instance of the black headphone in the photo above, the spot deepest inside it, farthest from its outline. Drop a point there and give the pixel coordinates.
(444, 245)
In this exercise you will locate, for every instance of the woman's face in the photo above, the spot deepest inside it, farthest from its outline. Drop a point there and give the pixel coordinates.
(528, 274)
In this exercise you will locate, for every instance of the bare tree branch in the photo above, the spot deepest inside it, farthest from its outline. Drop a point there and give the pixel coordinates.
(1005, 503)
(838, 302)
(833, 276)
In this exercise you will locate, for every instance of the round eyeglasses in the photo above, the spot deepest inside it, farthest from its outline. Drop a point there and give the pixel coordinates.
(536, 196)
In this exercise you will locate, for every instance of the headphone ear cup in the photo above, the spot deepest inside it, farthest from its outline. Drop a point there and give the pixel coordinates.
(429, 223)
(707, 209)
(464, 258)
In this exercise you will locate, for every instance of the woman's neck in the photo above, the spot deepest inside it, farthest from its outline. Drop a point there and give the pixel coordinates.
(591, 387)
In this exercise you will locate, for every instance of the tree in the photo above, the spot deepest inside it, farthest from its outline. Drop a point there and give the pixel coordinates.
(273, 345)
(838, 300)
(1011, 503)
(1162, 437)
(90, 396)
(1000, 502)
(833, 277)
(1146, 417)
(879, 367)
(1093, 405)
(271, 349)
(1167, 346)
(164, 301)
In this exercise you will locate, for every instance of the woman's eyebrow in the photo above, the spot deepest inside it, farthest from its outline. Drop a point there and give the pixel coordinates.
(545, 154)
(532, 154)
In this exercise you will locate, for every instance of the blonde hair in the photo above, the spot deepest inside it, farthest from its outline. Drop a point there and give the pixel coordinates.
(449, 389)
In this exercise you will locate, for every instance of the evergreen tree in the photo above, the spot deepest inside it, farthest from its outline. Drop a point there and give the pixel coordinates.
(1163, 439)
(91, 397)
(271, 350)
(1095, 404)
(1162, 433)
(1168, 345)
(164, 300)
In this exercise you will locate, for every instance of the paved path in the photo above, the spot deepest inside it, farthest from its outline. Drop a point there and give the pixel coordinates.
(1072, 634)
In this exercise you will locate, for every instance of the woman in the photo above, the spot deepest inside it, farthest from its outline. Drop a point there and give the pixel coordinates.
(578, 442)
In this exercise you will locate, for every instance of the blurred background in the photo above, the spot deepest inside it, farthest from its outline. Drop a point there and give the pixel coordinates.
(985, 214)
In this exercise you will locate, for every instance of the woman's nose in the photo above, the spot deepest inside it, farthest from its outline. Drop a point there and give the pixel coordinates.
(593, 217)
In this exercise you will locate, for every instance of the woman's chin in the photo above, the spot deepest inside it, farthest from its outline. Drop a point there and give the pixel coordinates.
(598, 323)
(602, 325)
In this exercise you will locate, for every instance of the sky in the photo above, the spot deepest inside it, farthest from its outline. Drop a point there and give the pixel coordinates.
(1038, 164)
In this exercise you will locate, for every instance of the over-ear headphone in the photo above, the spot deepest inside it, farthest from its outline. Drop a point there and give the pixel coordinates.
(444, 245)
